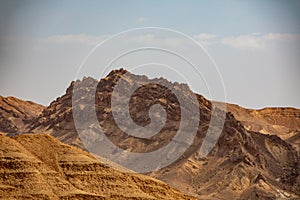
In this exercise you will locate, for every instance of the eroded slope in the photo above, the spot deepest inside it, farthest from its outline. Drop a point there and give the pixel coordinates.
(41, 167)
(283, 122)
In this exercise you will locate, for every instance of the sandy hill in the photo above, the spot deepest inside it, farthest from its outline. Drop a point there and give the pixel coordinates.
(41, 167)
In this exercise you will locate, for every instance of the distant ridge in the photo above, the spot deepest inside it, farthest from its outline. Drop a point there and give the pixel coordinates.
(15, 114)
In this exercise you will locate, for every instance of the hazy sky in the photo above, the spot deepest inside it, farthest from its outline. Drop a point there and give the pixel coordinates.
(255, 44)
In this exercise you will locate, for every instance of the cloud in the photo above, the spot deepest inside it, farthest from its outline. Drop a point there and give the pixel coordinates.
(249, 41)
(153, 40)
(257, 40)
(252, 41)
(75, 39)
(205, 39)
(282, 36)
(147, 39)
(82, 39)
(204, 36)
(141, 19)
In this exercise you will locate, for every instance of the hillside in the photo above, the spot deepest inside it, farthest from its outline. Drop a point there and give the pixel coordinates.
(15, 114)
(283, 122)
(41, 167)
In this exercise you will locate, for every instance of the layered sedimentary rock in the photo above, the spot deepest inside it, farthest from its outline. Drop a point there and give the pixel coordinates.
(41, 167)
(283, 122)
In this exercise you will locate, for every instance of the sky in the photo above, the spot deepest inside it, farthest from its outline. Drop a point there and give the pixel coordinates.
(254, 44)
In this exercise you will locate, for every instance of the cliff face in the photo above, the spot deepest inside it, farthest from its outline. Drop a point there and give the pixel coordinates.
(246, 163)
(41, 167)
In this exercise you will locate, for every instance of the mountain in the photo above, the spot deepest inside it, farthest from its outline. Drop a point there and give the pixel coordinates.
(41, 167)
(255, 157)
(283, 122)
(15, 114)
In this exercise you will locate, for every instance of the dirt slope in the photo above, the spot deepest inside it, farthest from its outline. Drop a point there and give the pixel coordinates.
(41, 167)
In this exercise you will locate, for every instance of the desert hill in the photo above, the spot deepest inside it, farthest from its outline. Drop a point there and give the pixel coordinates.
(255, 157)
(283, 122)
(41, 167)
(15, 114)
